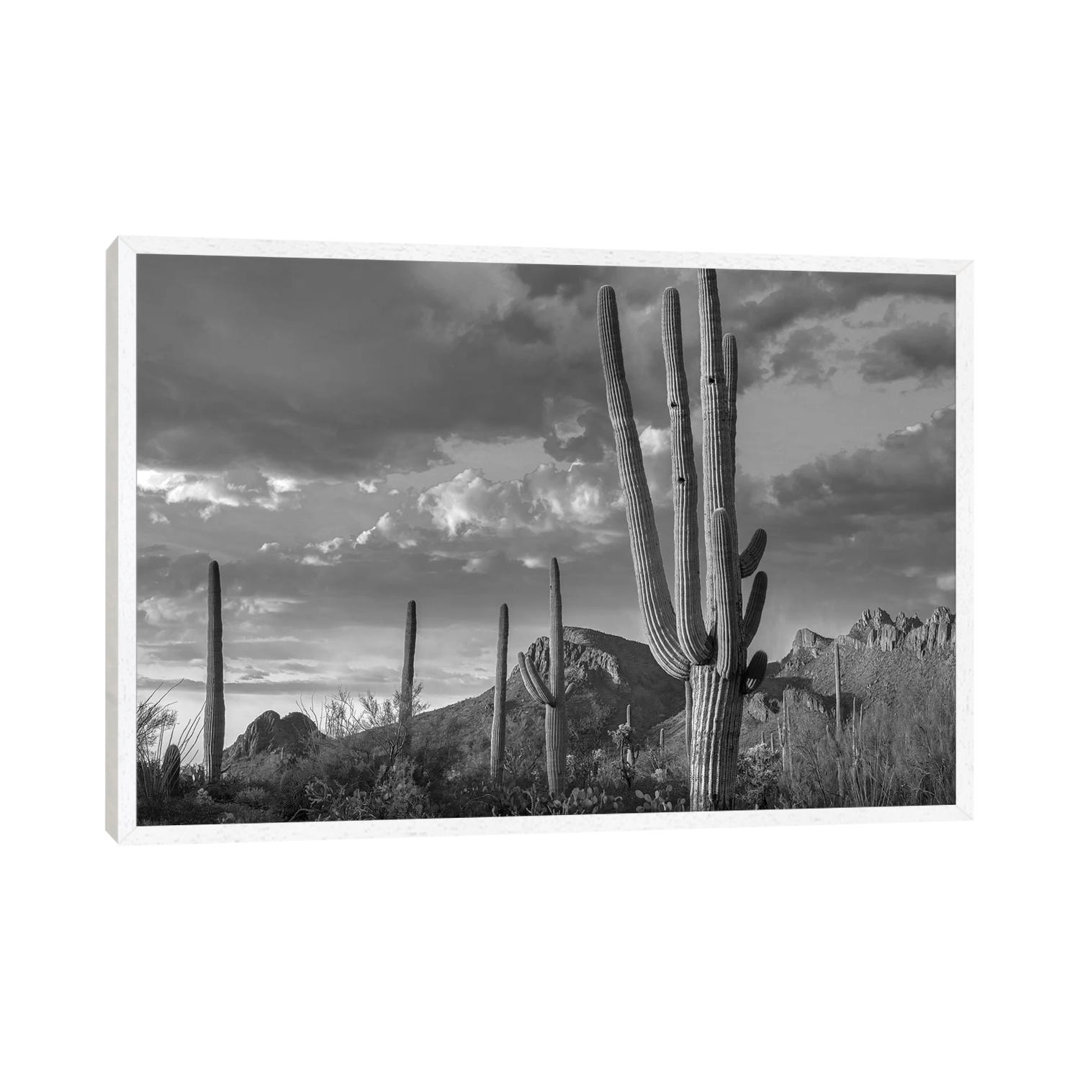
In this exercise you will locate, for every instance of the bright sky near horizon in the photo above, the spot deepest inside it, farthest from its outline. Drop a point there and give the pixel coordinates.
(344, 436)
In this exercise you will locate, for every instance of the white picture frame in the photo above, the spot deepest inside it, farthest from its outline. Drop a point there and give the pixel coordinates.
(122, 287)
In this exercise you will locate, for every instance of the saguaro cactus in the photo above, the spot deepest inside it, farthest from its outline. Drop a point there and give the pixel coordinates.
(405, 705)
(836, 675)
(707, 649)
(405, 695)
(551, 695)
(784, 734)
(498, 712)
(214, 711)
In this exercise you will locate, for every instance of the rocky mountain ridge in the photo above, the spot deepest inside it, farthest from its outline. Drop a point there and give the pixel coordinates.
(882, 659)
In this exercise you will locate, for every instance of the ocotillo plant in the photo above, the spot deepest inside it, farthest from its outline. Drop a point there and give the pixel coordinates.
(784, 734)
(707, 649)
(551, 695)
(214, 712)
(498, 712)
(170, 770)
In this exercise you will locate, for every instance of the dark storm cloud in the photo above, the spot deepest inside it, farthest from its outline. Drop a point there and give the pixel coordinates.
(800, 356)
(589, 444)
(350, 368)
(923, 351)
(815, 295)
(877, 523)
(313, 368)
(912, 472)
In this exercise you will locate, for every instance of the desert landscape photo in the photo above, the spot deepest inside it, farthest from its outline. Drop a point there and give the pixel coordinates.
(458, 539)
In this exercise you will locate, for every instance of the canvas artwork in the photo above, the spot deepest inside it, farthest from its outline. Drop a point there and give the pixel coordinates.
(421, 539)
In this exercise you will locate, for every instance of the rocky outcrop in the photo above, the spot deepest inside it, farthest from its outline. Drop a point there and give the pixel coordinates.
(292, 734)
(937, 634)
(877, 630)
(808, 639)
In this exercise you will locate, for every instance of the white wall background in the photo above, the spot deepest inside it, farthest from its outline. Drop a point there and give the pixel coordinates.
(922, 129)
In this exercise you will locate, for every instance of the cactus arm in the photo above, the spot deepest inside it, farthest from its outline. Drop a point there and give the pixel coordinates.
(730, 352)
(755, 672)
(718, 433)
(535, 686)
(754, 607)
(726, 590)
(689, 624)
(752, 553)
(652, 588)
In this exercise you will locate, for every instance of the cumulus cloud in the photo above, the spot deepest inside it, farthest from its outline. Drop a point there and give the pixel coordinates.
(231, 488)
(582, 499)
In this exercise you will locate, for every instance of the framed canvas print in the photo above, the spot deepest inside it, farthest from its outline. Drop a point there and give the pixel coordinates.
(407, 539)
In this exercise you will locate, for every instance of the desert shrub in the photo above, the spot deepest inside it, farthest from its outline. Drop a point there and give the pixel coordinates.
(154, 716)
(395, 797)
(155, 737)
(599, 768)
(257, 797)
(758, 779)
(903, 754)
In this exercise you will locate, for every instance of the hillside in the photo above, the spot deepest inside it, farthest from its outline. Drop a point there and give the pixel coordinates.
(604, 673)
(882, 661)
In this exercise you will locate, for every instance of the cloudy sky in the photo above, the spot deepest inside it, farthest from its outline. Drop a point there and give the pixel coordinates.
(344, 436)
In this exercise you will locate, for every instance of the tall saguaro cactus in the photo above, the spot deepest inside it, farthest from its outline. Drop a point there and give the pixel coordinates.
(405, 702)
(551, 695)
(707, 648)
(214, 710)
(836, 676)
(498, 712)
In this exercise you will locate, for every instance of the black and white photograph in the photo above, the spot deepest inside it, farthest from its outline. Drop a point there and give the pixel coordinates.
(422, 539)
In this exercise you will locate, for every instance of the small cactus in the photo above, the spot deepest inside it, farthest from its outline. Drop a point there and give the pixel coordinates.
(551, 695)
(214, 711)
(498, 712)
